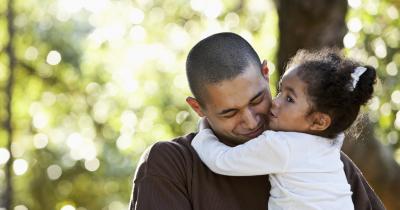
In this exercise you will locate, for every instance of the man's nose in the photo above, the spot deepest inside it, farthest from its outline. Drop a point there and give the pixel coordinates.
(249, 119)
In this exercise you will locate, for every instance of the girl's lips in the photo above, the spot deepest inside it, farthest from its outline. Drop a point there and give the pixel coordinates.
(272, 114)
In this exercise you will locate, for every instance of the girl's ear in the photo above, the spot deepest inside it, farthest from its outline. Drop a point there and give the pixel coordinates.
(319, 121)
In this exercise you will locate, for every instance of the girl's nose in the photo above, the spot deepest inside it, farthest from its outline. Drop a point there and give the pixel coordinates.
(275, 102)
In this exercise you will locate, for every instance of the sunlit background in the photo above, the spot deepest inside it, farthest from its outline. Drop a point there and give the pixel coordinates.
(98, 81)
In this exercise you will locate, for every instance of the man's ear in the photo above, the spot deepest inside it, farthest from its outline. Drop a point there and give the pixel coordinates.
(195, 106)
(265, 70)
(319, 121)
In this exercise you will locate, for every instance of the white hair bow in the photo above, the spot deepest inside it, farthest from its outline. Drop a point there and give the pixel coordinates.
(356, 76)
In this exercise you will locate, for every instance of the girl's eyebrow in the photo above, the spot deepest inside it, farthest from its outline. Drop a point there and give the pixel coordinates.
(288, 88)
(291, 90)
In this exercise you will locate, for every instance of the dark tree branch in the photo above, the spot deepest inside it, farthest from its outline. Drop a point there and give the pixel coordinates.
(8, 196)
(33, 72)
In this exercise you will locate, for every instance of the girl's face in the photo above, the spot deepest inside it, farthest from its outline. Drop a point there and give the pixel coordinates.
(290, 108)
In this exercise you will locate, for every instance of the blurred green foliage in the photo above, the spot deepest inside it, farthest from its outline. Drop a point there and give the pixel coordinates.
(373, 38)
(98, 81)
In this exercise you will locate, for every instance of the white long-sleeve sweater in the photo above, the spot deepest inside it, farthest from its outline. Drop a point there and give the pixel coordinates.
(305, 171)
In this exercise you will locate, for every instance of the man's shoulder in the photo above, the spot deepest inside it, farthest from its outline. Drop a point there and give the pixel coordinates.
(363, 196)
(166, 158)
(175, 147)
(350, 169)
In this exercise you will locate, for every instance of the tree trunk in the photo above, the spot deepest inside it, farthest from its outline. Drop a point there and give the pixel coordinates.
(8, 194)
(314, 24)
(375, 161)
(309, 24)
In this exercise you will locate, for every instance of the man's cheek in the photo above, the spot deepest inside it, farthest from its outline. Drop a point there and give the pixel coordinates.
(263, 108)
(267, 106)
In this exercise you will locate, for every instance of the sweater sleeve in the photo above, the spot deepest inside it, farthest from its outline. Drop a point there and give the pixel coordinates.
(264, 154)
(363, 196)
(159, 180)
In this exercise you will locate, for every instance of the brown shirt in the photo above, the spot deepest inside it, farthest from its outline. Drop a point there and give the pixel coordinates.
(171, 176)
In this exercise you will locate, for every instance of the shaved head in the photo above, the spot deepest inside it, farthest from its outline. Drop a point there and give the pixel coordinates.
(219, 57)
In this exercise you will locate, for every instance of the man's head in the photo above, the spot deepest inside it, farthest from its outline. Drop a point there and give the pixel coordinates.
(230, 87)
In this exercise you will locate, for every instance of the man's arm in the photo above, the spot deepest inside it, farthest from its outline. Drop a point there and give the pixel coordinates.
(159, 180)
(364, 197)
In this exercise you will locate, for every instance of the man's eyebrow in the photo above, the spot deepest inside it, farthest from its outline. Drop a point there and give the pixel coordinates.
(226, 111)
(231, 110)
(257, 95)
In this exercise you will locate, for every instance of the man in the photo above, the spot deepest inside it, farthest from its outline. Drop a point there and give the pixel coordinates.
(231, 89)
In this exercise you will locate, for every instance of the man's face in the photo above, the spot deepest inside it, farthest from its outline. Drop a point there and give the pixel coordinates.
(237, 109)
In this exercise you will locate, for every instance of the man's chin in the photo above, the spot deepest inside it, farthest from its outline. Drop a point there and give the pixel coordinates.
(233, 141)
(242, 138)
(253, 134)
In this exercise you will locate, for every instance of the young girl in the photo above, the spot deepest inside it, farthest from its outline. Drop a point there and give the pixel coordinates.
(319, 97)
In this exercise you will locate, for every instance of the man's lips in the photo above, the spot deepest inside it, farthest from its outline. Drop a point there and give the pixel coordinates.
(272, 115)
(255, 132)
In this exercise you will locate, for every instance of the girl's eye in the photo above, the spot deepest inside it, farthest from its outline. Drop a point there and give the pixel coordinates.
(289, 99)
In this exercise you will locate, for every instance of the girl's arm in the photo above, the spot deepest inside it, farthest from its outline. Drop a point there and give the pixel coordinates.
(264, 154)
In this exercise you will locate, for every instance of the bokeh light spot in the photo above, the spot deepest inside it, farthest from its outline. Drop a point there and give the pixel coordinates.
(20, 207)
(232, 20)
(54, 172)
(182, 116)
(68, 207)
(354, 25)
(349, 40)
(137, 16)
(379, 48)
(92, 165)
(116, 205)
(392, 12)
(393, 137)
(4, 155)
(396, 96)
(124, 142)
(53, 58)
(386, 109)
(31, 53)
(20, 166)
(138, 33)
(40, 141)
(354, 3)
(397, 121)
(374, 103)
(391, 69)
(373, 61)
(40, 120)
